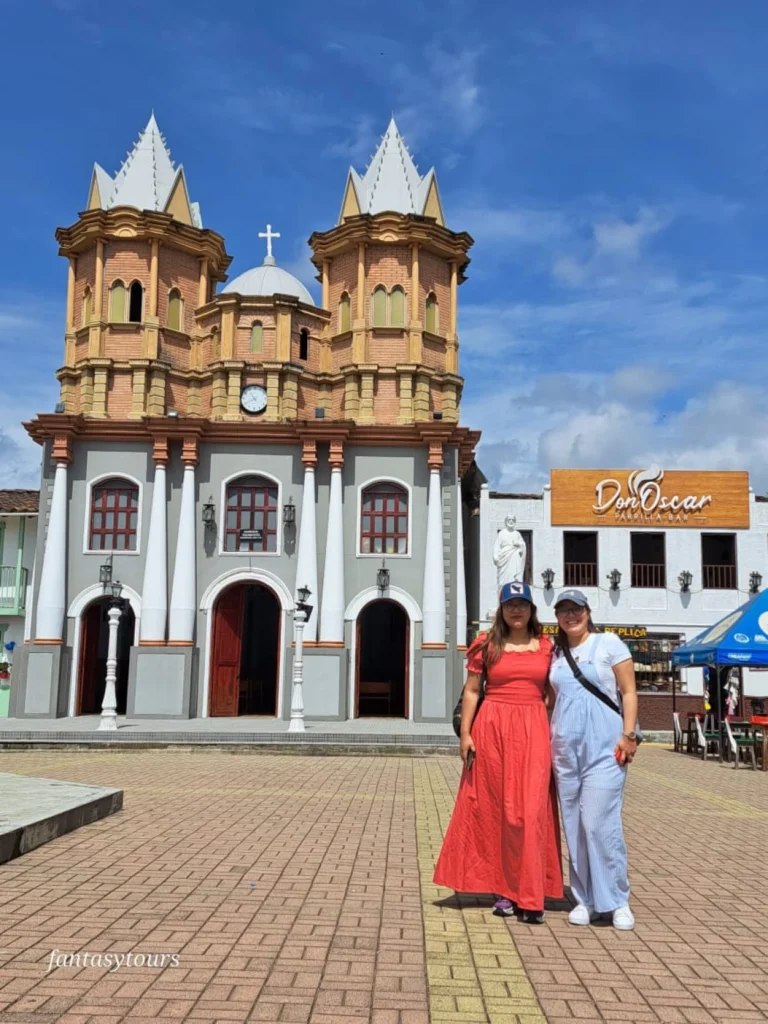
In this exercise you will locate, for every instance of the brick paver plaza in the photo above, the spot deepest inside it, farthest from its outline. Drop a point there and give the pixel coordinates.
(299, 889)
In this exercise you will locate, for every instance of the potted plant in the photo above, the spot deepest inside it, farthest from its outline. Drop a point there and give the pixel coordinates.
(5, 671)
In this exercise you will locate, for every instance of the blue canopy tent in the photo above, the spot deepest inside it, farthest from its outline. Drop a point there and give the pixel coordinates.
(739, 639)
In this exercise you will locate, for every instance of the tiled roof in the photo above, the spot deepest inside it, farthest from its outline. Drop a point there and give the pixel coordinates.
(19, 501)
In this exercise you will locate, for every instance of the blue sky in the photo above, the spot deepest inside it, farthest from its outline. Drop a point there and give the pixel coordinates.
(610, 160)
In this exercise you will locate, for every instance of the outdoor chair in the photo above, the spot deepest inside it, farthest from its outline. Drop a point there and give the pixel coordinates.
(740, 744)
(679, 735)
(707, 739)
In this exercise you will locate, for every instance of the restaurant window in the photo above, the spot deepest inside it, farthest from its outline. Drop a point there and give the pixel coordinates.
(114, 515)
(251, 508)
(384, 520)
(648, 560)
(718, 561)
(652, 658)
(580, 559)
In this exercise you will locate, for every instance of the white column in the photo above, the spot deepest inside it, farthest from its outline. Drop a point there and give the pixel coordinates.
(181, 624)
(154, 594)
(108, 718)
(306, 558)
(333, 606)
(296, 723)
(433, 631)
(29, 598)
(461, 583)
(51, 603)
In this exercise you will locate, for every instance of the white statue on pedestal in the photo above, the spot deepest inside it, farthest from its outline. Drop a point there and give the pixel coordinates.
(509, 554)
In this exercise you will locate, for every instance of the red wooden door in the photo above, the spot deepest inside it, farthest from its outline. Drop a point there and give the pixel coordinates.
(227, 651)
(89, 676)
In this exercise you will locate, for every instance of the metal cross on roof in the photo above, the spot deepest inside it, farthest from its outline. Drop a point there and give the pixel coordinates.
(269, 234)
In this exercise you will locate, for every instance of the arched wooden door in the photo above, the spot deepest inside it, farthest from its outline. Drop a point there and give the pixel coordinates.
(245, 652)
(92, 671)
(383, 644)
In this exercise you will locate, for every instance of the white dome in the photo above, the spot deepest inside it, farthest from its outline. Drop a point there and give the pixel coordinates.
(269, 279)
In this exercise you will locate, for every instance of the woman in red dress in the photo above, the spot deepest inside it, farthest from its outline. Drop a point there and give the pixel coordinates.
(504, 834)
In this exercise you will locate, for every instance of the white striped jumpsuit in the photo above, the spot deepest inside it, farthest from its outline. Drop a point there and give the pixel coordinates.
(590, 782)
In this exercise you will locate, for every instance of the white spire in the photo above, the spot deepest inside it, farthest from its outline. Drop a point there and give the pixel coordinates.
(146, 178)
(391, 181)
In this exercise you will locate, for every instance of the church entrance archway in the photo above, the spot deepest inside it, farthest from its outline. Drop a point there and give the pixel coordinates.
(94, 643)
(245, 652)
(381, 686)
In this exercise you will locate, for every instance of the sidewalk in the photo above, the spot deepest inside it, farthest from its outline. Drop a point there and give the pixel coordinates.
(299, 889)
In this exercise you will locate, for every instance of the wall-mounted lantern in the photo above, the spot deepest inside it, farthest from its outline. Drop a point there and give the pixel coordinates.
(549, 578)
(685, 579)
(615, 578)
(105, 573)
(289, 512)
(755, 582)
(382, 577)
(209, 514)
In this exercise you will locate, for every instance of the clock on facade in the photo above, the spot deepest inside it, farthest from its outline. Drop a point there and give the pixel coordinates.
(253, 398)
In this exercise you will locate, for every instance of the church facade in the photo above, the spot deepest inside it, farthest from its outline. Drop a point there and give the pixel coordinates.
(219, 445)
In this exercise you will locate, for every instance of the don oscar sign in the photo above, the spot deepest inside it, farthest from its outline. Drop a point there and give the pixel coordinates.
(650, 497)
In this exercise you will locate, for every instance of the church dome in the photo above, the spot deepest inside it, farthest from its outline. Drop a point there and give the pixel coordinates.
(269, 279)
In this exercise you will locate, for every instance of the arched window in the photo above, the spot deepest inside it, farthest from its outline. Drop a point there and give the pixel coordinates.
(117, 302)
(136, 303)
(380, 306)
(114, 515)
(251, 506)
(432, 320)
(257, 336)
(87, 306)
(215, 345)
(175, 310)
(397, 307)
(304, 344)
(384, 520)
(344, 313)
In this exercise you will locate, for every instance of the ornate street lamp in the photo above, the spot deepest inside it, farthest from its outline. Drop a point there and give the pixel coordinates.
(755, 582)
(105, 573)
(209, 514)
(549, 578)
(382, 577)
(108, 719)
(685, 579)
(300, 619)
(615, 577)
(289, 513)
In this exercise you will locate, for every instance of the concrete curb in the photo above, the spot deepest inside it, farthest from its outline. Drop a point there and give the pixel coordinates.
(18, 841)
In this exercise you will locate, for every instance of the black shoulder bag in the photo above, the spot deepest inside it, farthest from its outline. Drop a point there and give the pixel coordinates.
(596, 691)
(457, 709)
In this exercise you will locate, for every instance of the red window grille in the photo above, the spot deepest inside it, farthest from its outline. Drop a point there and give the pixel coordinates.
(251, 506)
(384, 520)
(114, 516)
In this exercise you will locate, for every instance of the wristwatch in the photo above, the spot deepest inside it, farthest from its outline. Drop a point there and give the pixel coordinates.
(630, 736)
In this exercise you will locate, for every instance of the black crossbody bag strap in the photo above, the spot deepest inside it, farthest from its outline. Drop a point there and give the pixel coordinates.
(594, 690)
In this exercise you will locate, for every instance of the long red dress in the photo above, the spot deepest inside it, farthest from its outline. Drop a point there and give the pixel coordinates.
(504, 834)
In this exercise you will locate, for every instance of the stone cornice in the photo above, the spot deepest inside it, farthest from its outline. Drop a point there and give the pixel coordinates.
(259, 304)
(392, 227)
(146, 430)
(127, 222)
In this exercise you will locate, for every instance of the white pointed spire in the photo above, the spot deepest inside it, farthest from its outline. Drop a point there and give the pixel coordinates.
(146, 177)
(391, 181)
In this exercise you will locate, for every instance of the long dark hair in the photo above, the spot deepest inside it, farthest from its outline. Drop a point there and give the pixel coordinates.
(498, 634)
(561, 640)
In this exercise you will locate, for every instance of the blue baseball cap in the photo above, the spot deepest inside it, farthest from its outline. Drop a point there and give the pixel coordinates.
(510, 591)
(575, 596)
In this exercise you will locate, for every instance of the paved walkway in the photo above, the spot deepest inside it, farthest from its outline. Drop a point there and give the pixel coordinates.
(299, 889)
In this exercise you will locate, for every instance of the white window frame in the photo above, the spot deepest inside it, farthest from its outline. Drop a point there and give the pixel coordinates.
(370, 483)
(223, 511)
(87, 518)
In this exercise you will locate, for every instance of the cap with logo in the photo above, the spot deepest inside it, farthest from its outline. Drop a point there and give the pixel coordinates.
(574, 596)
(518, 590)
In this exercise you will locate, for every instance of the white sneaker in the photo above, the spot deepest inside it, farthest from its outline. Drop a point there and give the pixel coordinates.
(581, 915)
(624, 919)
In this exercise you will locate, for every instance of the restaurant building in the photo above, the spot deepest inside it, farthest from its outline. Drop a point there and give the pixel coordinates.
(660, 555)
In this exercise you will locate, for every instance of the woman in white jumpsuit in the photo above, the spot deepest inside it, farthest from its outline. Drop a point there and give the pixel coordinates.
(591, 748)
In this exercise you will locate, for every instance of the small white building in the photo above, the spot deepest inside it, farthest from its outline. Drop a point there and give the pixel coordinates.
(660, 557)
(18, 538)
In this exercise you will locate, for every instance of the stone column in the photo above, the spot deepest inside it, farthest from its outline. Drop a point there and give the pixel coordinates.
(306, 557)
(154, 593)
(461, 583)
(51, 602)
(333, 606)
(181, 625)
(433, 603)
